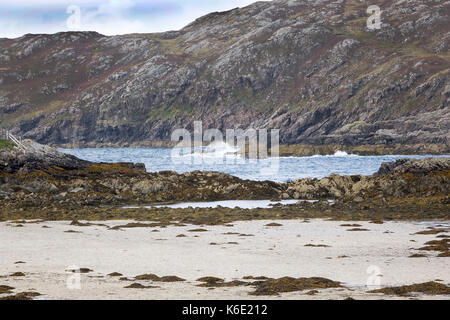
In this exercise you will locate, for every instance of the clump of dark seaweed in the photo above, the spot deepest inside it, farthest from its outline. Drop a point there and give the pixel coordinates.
(21, 296)
(432, 231)
(437, 245)
(442, 246)
(273, 224)
(154, 277)
(5, 289)
(80, 270)
(87, 224)
(139, 286)
(198, 230)
(417, 255)
(317, 245)
(432, 288)
(136, 225)
(288, 284)
(213, 282)
(255, 278)
(210, 279)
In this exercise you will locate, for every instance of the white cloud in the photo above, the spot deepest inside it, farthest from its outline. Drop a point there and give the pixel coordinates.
(108, 17)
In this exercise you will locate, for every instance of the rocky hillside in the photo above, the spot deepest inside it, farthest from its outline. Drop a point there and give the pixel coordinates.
(309, 67)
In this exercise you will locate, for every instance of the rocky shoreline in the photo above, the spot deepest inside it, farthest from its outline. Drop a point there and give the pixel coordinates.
(297, 150)
(46, 184)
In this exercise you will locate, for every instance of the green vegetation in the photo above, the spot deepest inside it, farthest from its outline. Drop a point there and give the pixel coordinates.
(5, 144)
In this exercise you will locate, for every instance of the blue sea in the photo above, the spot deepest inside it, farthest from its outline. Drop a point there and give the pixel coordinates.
(281, 169)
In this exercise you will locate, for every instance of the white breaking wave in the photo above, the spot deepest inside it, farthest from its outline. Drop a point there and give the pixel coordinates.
(213, 150)
(220, 149)
(338, 153)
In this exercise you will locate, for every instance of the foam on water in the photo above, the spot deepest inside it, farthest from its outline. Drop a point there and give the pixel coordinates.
(214, 151)
(338, 153)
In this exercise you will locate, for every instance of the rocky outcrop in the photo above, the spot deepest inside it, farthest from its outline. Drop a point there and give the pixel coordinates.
(110, 184)
(40, 176)
(310, 68)
(421, 178)
(39, 173)
(424, 166)
(34, 156)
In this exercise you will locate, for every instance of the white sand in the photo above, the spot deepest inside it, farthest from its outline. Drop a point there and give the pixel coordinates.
(272, 252)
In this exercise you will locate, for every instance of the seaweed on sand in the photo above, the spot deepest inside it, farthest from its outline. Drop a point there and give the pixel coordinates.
(5, 289)
(274, 224)
(21, 296)
(445, 254)
(437, 245)
(432, 231)
(139, 286)
(312, 292)
(317, 245)
(210, 279)
(255, 278)
(442, 246)
(417, 255)
(80, 270)
(198, 230)
(432, 288)
(87, 224)
(136, 225)
(156, 278)
(213, 282)
(288, 284)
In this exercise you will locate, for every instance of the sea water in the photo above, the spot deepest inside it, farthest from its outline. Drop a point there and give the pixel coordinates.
(224, 160)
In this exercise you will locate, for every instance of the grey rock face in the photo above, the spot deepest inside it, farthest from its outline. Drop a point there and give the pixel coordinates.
(36, 157)
(310, 68)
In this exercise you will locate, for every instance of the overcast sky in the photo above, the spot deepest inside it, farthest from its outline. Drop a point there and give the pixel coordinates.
(109, 17)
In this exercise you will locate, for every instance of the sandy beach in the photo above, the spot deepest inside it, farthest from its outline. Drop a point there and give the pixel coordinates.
(44, 251)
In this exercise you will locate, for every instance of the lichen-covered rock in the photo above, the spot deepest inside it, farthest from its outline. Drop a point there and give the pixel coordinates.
(402, 178)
